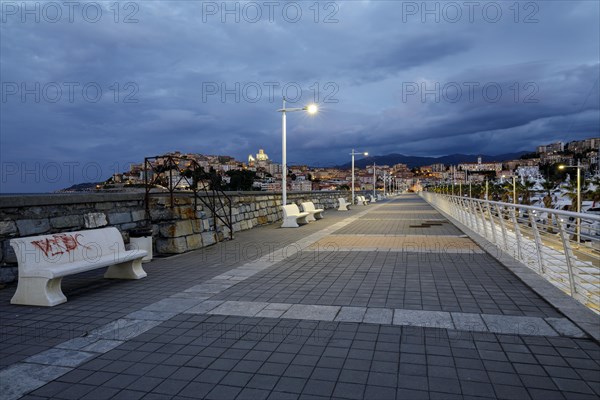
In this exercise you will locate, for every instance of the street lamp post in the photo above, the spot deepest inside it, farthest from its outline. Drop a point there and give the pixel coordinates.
(578, 226)
(311, 109)
(354, 153)
(374, 181)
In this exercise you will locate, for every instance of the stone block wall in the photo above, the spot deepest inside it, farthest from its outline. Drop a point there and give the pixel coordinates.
(190, 225)
(187, 226)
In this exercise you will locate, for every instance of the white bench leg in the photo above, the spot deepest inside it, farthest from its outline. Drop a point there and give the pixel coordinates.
(39, 292)
(310, 217)
(319, 215)
(290, 223)
(126, 270)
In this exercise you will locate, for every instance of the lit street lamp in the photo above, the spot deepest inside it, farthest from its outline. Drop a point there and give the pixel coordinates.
(354, 153)
(578, 166)
(311, 109)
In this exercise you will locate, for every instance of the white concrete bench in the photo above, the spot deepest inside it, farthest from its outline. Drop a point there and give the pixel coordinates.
(292, 216)
(361, 200)
(45, 260)
(344, 205)
(314, 213)
(372, 199)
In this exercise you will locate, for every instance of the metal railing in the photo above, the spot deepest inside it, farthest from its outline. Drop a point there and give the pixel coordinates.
(544, 239)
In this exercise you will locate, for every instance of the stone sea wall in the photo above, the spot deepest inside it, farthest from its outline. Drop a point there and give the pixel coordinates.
(187, 226)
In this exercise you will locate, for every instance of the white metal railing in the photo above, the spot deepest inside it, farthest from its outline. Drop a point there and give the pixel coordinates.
(546, 240)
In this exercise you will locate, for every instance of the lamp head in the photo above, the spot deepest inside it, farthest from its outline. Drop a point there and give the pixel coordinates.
(312, 108)
(366, 153)
(561, 167)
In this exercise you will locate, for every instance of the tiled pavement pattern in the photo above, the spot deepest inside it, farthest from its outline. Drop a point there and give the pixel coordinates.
(470, 283)
(406, 243)
(176, 349)
(374, 226)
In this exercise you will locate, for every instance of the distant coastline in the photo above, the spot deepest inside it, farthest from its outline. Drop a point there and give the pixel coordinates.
(24, 194)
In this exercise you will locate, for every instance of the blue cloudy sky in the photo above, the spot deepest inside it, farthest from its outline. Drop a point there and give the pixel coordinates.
(88, 88)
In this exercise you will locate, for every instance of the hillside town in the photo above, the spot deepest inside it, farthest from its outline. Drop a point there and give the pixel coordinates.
(535, 171)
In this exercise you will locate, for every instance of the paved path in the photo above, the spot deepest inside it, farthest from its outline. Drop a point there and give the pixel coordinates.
(388, 301)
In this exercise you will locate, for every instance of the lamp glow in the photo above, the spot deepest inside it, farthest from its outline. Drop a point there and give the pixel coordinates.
(312, 108)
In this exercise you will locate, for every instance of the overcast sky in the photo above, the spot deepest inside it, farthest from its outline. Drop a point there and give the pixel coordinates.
(90, 87)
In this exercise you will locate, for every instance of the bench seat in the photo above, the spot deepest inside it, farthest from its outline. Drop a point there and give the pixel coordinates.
(361, 200)
(292, 216)
(314, 213)
(343, 204)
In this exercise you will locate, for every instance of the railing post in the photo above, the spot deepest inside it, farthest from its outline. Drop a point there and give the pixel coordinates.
(569, 258)
(463, 214)
(474, 220)
(500, 210)
(538, 242)
(483, 220)
(492, 225)
(517, 231)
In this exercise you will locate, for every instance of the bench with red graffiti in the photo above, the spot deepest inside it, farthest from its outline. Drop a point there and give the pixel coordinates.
(45, 260)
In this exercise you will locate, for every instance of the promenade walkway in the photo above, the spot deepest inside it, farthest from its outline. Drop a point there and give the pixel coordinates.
(387, 301)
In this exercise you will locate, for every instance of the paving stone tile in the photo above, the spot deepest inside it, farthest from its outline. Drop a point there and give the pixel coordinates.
(173, 305)
(103, 345)
(239, 308)
(378, 316)
(351, 314)
(290, 385)
(311, 312)
(152, 315)
(414, 394)
(21, 378)
(433, 319)
(223, 392)
(379, 392)
(204, 307)
(319, 388)
(511, 392)
(509, 324)
(444, 385)
(349, 390)
(253, 394)
(61, 357)
(270, 313)
(565, 327)
(101, 393)
(468, 322)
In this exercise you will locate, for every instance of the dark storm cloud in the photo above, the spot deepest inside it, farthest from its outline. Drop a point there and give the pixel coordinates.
(154, 76)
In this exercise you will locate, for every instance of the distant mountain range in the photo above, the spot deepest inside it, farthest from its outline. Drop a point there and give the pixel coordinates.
(416, 161)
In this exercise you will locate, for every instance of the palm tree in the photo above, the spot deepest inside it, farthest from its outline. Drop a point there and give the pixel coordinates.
(526, 190)
(572, 192)
(548, 186)
(593, 195)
